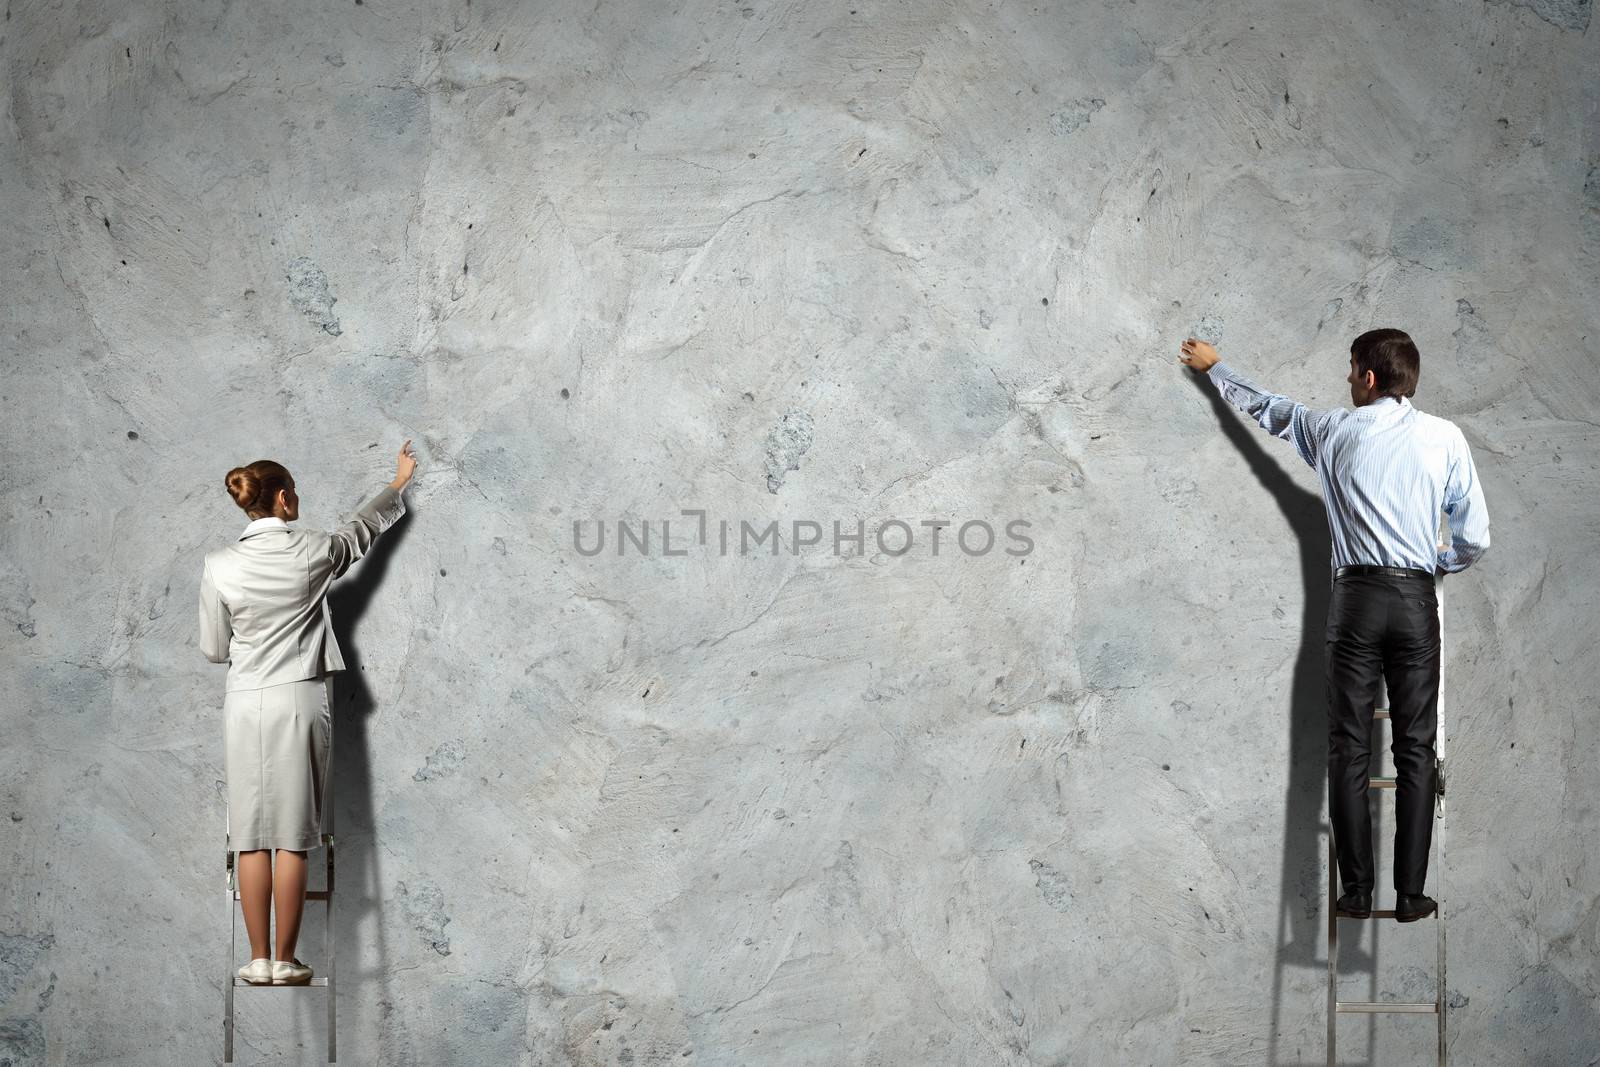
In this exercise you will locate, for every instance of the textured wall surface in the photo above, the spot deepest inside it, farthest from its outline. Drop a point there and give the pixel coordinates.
(805, 262)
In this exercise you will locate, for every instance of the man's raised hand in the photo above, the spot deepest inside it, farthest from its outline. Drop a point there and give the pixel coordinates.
(1198, 355)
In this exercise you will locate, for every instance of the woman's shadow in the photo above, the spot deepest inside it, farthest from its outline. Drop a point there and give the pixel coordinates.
(358, 879)
(1301, 890)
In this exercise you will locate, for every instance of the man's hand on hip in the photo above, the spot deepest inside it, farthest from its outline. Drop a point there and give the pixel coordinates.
(1198, 355)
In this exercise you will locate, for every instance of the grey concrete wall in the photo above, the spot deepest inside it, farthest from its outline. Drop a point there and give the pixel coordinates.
(788, 261)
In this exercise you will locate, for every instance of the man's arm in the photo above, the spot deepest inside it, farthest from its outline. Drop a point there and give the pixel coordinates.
(1278, 415)
(1468, 515)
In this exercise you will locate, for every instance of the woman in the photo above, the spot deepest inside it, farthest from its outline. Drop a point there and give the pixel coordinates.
(263, 610)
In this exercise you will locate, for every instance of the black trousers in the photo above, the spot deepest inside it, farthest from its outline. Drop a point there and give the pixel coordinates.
(1382, 627)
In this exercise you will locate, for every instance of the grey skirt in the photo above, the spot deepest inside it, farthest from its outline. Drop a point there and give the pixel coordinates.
(277, 748)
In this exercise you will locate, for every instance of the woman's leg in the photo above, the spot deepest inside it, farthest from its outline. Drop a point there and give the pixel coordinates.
(255, 898)
(289, 883)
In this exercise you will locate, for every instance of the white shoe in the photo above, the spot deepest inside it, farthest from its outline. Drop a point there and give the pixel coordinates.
(257, 972)
(290, 972)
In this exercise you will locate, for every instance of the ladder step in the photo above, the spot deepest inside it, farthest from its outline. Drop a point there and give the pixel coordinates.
(1379, 782)
(311, 894)
(315, 981)
(1370, 1007)
(1388, 913)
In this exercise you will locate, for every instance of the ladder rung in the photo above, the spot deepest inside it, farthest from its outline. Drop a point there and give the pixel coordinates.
(1348, 1007)
(1388, 913)
(311, 894)
(315, 981)
(1378, 782)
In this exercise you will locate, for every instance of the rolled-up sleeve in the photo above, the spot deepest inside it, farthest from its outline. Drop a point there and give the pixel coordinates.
(1466, 511)
(354, 537)
(216, 621)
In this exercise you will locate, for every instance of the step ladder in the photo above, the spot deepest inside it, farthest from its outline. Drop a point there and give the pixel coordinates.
(1438, 1007)
(323, 981)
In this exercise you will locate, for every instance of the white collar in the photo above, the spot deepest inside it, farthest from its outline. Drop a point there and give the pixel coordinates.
(1378, 407)
(266, 522)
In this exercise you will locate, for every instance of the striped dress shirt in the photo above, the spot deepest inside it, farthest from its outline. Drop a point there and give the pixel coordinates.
(1387, 472)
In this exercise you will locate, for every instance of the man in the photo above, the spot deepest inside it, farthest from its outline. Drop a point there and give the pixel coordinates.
(1387, 470)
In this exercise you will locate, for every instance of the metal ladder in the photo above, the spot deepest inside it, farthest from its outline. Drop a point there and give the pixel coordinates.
(325, 981)
(1438, 1007)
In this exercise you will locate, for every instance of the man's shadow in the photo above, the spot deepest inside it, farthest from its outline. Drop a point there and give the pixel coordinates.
(1301, 891)
(358, 880)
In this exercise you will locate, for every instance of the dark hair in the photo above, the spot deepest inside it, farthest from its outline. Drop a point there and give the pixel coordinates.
(255, 486)
(1392, 358)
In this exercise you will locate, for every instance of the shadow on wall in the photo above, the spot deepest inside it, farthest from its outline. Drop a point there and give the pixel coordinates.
(1300, 906)
(358, 879)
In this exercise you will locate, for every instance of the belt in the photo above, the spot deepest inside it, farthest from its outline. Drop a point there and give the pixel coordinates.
(1392, 572)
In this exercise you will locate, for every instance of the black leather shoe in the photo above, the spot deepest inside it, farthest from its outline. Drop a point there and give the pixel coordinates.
(1408, 909)
(1355, 905)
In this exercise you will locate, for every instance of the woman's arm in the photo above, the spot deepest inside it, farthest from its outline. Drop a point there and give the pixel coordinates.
(216, 621)
(352, 539)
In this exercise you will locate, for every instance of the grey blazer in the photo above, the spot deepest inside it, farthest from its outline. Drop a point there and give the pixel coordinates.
(263, 599)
